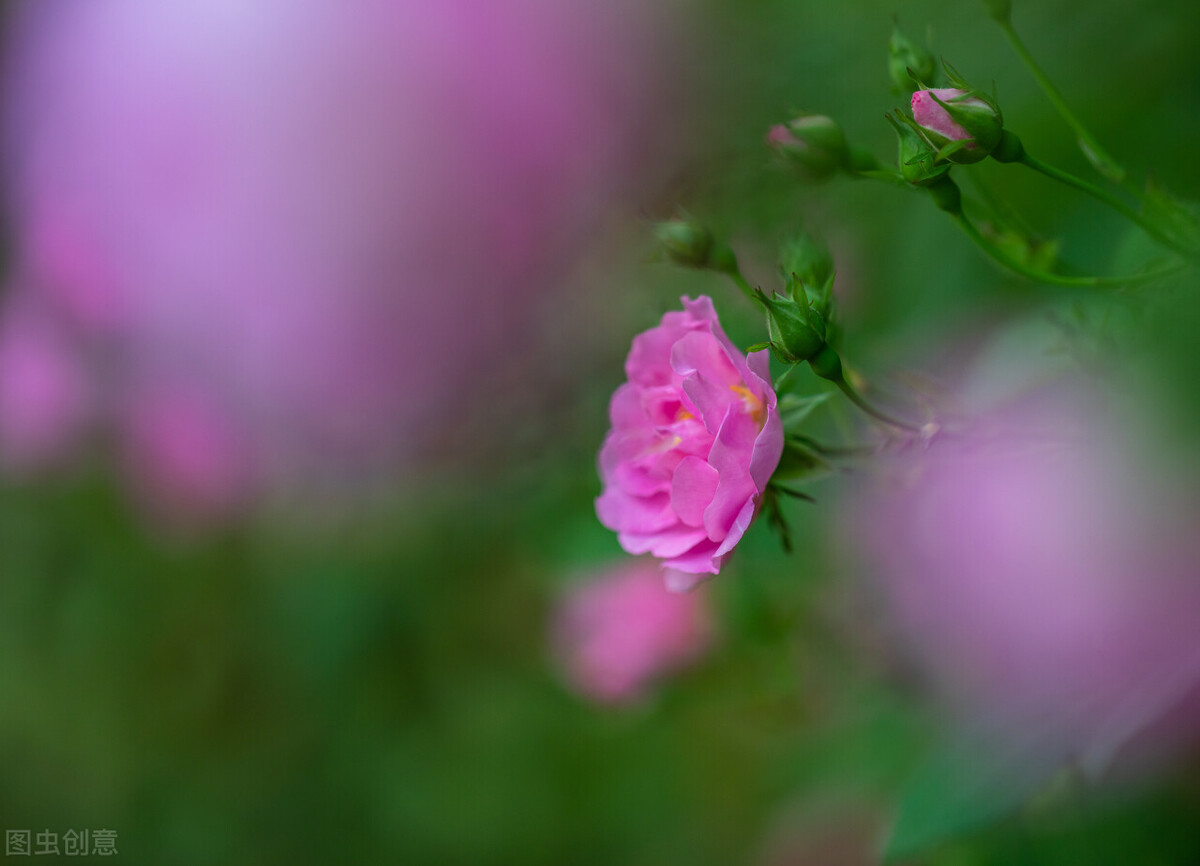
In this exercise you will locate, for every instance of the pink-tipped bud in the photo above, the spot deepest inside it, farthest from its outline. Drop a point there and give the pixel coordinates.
(813, 143)
(949, 115)
(936, 119)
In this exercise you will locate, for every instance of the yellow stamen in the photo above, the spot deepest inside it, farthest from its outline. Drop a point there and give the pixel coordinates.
(753, 405)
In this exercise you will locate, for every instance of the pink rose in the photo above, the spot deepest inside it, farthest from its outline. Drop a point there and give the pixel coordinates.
(618, 633)
(695, 437)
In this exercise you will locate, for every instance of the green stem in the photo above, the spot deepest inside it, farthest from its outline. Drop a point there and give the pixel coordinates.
(857, 400)
(1109, 199)
(1004, 213)
(1024, 270)
(741, 283)
(1091, 148)
(723, 260)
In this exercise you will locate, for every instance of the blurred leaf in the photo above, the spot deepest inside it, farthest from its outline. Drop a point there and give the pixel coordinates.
(801, 462)
(793, 410)
(962, 786)
(1178, 218)
(1029, 251)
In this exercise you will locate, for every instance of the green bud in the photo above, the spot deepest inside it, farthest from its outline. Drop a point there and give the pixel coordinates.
(964, 125)
(813, 143)
(692, 245)
(910, 66)
(685, 242)
(961, 122)
(917, 158)
(797, 331)
(808, 260)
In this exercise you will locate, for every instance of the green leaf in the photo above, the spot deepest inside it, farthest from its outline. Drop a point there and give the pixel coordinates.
(965, 786)
(793, 410)
(800, 462)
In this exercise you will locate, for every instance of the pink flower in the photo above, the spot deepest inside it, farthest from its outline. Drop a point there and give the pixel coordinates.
(320, 217)
(618, 633)
(44, 392)
(933, 117)
(695, 437)
(184, 453)
(1049, 590)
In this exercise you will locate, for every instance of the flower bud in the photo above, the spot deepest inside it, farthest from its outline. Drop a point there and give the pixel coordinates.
(950, 115)
(808, 260)
(813, 143)
(692, 245)
(685, 242)
(917, 158)
(797, 331)
(910, 66)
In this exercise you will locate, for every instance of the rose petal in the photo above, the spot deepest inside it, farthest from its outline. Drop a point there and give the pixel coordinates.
(740, 524)
(729, 458)
(681, 581)
(700, 352)
(701, 559)
(710, 398)
(621, 512)
(692, 489)
(625, 411)
(768, 448)
(670, 542)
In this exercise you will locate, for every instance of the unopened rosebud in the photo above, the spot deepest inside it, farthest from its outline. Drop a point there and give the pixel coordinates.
(808, 260)
(813, 143)
(917, 158)
(910, 66)
(692, 245)
(685, 242)
(964, 125)
(797, 331)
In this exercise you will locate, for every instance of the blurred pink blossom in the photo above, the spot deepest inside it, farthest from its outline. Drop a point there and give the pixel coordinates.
(323, 217)
(621, 631)
(695, 437)
(182, 452)
(44, 394)
(1050, 590)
